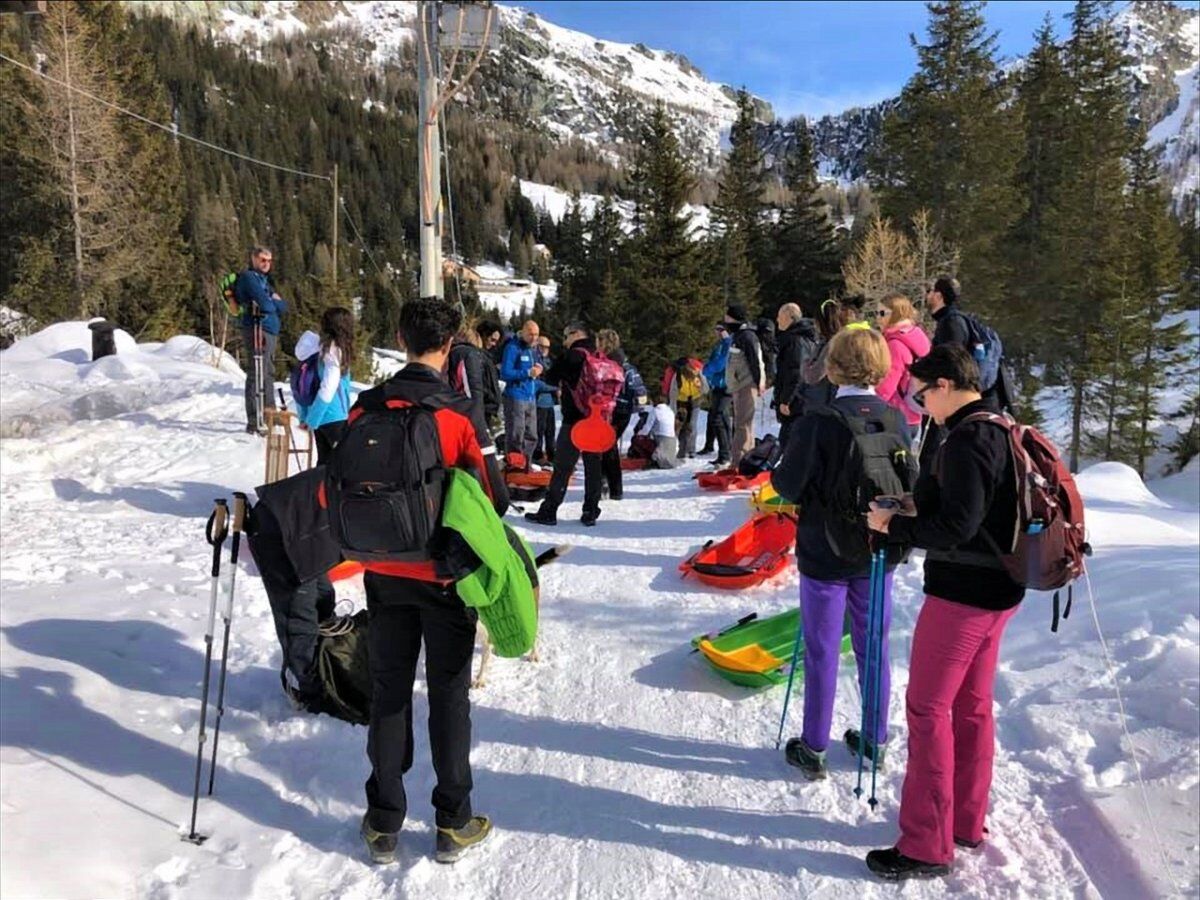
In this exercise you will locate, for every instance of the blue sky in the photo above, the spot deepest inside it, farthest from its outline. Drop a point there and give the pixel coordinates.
(806, 58)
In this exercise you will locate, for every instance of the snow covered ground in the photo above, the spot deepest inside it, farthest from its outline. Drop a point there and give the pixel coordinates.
(617, 766)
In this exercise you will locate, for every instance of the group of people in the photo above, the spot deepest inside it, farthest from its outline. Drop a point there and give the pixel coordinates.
(835, 380)
(958, 503)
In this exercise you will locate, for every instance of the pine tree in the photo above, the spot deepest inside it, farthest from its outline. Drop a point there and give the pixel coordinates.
(738, 215)
(952, 145)
(671, 308)
(804, 265)
(1082, 222)
(1147, 349)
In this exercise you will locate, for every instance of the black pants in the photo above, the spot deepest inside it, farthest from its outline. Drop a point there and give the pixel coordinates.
(566, 454)
(545, 433)
(685, 419)
(785, 428)
(297, 611)
(720, 422)
(327, 437)
(610, 461)
(253, 400)
(403, 613)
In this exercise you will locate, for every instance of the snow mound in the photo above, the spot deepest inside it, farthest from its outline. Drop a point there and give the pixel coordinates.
(1115, 482)
(49, 379)
(1182, 488)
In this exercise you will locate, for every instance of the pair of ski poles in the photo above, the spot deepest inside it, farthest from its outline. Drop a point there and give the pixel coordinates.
(216, 531)
(872, 671)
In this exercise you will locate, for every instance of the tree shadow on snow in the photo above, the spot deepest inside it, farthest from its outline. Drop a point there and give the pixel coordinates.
(42, 714)
(138, 655)
(706, 834)
(190, 499)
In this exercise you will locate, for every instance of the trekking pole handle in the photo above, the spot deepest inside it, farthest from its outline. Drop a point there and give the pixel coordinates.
(217, 529)
(240, 502)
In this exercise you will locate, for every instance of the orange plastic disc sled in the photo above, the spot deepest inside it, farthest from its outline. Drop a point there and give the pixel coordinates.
(730, 480)
(758, 550)
(593, 434)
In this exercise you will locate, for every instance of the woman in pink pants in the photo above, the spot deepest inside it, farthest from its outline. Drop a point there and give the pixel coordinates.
(969, 599)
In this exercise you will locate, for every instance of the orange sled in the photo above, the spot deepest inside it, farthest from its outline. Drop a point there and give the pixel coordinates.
(758, 550)
(347, 568)
(730, 480)
(633, 465)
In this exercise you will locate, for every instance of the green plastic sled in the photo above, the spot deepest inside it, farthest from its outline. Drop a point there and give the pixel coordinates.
(756, 652)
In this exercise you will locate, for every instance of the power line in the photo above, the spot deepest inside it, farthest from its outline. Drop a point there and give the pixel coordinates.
(167, 128)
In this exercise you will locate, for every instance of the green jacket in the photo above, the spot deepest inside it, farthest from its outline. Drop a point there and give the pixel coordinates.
(502, 588)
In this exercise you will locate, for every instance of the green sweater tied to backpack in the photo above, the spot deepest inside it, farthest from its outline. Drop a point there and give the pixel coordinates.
(503, 588)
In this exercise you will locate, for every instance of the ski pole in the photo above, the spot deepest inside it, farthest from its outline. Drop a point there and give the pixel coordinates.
(868, 653)
(791, 676)
(239, 519)
(214, 532)
(880, 637)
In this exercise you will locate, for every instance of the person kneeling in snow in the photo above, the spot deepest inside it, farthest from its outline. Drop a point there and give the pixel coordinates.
(659, 425)
(965, 505)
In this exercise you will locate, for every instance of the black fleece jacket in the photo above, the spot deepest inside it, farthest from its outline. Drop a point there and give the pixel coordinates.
(972, 490)
(796, 346)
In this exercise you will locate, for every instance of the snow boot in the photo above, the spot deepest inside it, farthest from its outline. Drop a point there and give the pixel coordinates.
(892, 865)
(869, 750)
(971, 845)
(380, 844)
(810, 762)
(589, 519)
(452, 843)
(541, 518)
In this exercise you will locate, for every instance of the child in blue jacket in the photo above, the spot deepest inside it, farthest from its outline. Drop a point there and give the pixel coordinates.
(327, 414)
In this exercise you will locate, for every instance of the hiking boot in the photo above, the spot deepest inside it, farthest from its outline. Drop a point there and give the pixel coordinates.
(705, 451)
(892, 865)
(381, 845)
(810, 762)
(452, 843)
(720, 464)
(870, 751)
(971, 845)
(542, 518)
(617, 496)
(589, 519)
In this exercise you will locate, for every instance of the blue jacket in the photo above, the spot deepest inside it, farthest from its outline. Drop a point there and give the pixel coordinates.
(251, 288)
(515, 364)
(335, 410)
(714, 369)
(547, 395)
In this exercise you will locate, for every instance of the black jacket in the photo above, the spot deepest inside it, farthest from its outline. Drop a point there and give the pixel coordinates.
(972, 489)
(952, 328)
(816, 449)
(797, 345)
(473, 373)
(564, 372)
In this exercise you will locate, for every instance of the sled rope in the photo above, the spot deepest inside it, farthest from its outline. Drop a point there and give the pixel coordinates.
(1137, 766)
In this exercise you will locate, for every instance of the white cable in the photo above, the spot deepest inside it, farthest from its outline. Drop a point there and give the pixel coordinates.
(1137, 766)
(167, 128)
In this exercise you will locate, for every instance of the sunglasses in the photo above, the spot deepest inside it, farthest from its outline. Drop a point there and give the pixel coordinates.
(881, 313)
(919, 397)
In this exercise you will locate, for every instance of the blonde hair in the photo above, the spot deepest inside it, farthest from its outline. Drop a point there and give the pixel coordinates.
(899, 308)
(607, 341)
(467, 332)
(857, 356)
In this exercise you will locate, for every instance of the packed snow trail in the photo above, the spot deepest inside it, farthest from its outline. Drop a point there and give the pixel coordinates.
(617, 766)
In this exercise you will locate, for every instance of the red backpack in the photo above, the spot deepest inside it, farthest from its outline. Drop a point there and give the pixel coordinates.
(600, 382)
(1047, 549)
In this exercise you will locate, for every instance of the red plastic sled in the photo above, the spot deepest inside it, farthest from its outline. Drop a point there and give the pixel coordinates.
(730, 480)
(758, 550)
(346, 569)
(593, 434)
(633, 465)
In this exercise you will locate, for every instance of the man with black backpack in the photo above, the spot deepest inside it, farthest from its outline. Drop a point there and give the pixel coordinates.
(963, 507)
(261, 310)
(386, 487)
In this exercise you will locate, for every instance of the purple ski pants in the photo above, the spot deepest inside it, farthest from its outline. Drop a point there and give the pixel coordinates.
(823, 607)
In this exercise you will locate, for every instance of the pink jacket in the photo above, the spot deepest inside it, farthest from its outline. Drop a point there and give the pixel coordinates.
(906, 343)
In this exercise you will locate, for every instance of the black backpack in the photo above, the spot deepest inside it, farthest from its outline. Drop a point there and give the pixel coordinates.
(386, 483)
(763, 457)
(877, 463)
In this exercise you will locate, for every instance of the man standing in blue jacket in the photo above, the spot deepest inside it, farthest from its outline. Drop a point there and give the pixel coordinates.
(720, 404)
(519, 370)
(262, 308)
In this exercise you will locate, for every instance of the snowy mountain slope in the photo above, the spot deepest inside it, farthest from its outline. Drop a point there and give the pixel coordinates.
(618, 766)
(570, 84)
